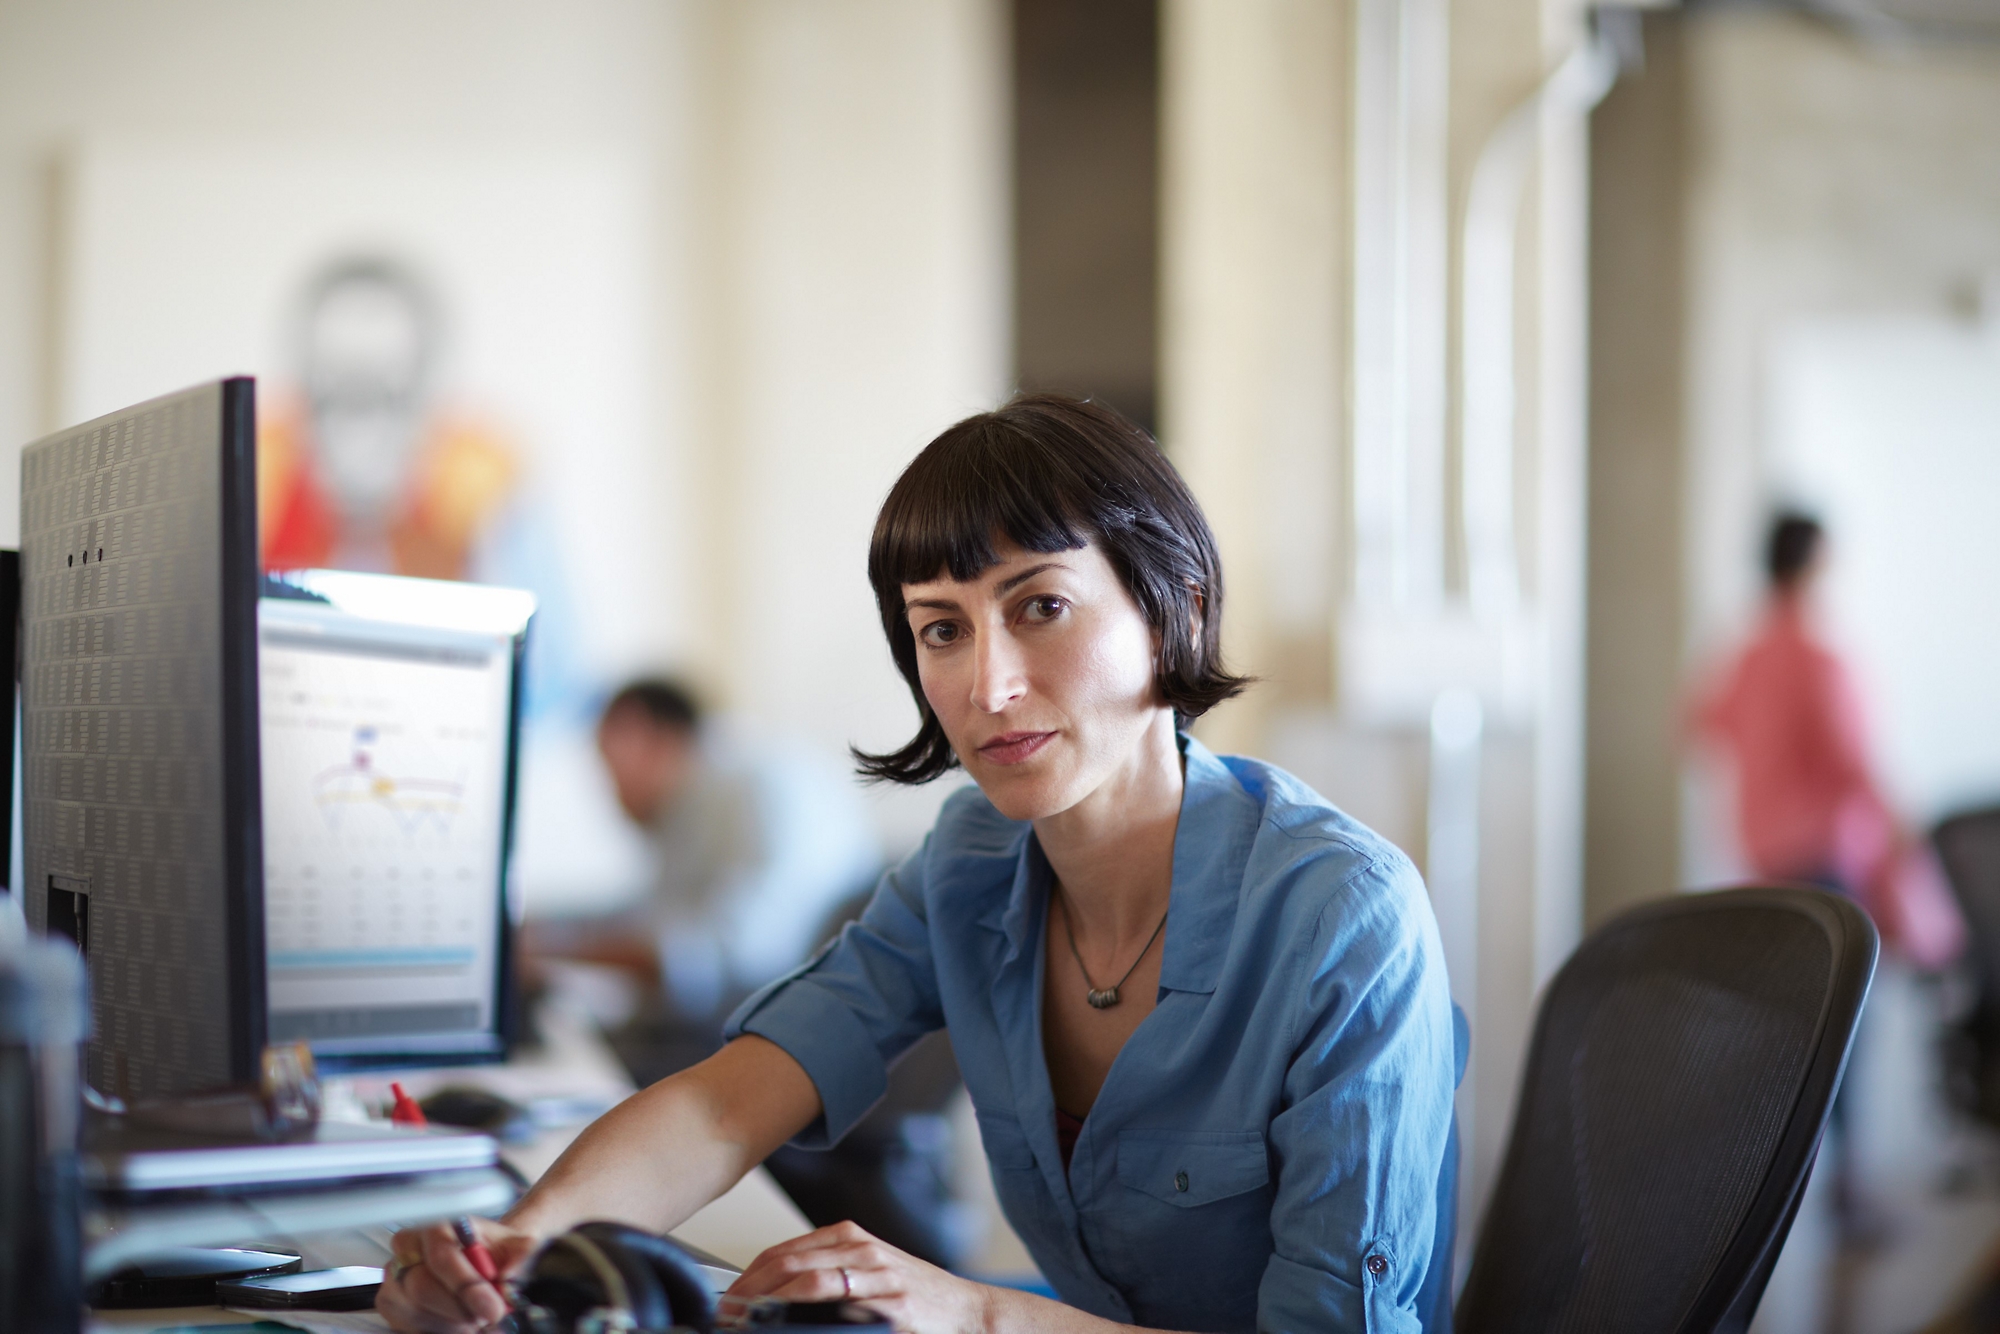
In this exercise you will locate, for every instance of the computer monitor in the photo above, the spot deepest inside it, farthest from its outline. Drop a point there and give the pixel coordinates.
(139, 731)
(391, 711)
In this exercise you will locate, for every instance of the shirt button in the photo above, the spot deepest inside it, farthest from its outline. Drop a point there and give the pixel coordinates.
(1378, 1265)
(1180, 1182)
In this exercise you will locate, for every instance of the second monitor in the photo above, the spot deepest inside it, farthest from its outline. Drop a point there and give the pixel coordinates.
(390, 714)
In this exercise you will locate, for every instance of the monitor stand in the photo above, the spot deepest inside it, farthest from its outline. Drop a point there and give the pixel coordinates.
(184, 1276)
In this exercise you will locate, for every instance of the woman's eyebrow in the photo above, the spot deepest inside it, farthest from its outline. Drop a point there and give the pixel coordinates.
(1015, 581)
(934, 604)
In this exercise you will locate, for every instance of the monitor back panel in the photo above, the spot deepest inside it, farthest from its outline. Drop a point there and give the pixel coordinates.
(139, 706)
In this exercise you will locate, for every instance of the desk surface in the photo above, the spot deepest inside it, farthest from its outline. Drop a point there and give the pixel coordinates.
(573, 1061)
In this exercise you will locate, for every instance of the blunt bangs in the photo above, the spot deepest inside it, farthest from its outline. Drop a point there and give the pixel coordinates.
(973, 484)
(1050, 474)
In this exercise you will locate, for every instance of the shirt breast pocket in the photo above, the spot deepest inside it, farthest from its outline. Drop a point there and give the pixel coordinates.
(1189, 1169)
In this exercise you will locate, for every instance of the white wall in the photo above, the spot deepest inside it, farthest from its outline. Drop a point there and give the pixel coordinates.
(1889, 428)
(855, 303)
(1253, 233)
(431, 75)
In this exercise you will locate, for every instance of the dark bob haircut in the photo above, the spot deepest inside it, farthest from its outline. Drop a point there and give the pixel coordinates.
(1789, 550)
(1051, 474)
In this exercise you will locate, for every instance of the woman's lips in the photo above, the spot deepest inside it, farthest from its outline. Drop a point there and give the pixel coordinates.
(1014, 747)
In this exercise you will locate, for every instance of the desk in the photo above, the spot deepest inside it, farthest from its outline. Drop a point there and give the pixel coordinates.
(573, 1062)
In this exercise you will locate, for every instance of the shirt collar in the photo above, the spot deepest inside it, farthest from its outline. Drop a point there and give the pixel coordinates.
(1211, 846)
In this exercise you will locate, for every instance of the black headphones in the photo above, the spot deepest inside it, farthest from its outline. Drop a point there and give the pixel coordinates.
(606, 1277)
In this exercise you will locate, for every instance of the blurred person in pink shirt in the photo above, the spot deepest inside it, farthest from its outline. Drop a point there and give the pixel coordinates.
(1786, 712)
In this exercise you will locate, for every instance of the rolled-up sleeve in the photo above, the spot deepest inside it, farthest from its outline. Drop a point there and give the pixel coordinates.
(1366, 1127)
(862, 1001)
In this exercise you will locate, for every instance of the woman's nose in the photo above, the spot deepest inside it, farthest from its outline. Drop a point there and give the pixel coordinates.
(997, 678)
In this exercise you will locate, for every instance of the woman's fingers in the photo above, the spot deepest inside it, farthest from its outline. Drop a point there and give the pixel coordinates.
(820, 1281)
(431, 1288)
(426, 1306)
(414, 1301)
(827, 1285)
(845, 1262)
(448, 1265)
(837, 1234)
(813, 1273)
(758, 1280)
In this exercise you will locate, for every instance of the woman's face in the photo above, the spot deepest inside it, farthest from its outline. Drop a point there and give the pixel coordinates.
(1041, 671)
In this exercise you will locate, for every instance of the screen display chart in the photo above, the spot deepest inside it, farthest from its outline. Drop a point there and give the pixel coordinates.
(384, 775)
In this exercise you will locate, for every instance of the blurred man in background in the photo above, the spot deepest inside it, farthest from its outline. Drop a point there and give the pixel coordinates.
(753, 853)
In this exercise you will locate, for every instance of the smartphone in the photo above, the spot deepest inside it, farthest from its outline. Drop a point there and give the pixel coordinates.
(348, 1288)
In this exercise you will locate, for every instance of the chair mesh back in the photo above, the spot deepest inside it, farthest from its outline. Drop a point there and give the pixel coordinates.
(1667, 1064)
(1969, 847)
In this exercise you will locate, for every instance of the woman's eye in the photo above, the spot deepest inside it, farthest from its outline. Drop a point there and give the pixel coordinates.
(1043, 608)
(938, 633)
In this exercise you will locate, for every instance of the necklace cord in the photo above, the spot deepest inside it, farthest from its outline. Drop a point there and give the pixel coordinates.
(1069, 929)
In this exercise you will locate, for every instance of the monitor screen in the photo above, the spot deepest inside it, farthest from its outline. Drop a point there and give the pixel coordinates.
(389, 711)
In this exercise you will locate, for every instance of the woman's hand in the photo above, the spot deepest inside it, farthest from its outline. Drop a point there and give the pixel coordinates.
(723, 1117)
(431, 1288)
(844, 1263)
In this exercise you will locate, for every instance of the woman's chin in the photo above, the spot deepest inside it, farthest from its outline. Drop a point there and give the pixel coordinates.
(1022, 795)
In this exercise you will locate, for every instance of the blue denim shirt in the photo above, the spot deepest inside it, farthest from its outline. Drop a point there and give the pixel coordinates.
(1274, 1147)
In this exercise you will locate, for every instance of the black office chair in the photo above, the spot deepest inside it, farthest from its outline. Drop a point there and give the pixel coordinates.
(1683, 1066)
(1969, 846)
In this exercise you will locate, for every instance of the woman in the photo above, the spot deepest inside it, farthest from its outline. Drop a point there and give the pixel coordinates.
(1202, 1015)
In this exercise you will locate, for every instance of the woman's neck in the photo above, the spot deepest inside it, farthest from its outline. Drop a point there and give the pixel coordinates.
(1113, 852)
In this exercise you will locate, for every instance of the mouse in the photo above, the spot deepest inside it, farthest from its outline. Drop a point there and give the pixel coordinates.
(478, 1109)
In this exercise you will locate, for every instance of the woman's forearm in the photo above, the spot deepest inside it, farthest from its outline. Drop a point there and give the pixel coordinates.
(663, 1153)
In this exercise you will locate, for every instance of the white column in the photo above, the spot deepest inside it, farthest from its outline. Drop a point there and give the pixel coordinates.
(1252, 191)
(1401, 82)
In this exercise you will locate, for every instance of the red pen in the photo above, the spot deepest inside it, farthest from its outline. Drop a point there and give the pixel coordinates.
(475, 1250)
